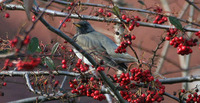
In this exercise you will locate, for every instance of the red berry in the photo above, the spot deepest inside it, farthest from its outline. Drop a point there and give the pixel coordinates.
(124, 17)
(133, 37)
(92, 79)
(131, 27)
(7, 15)
(109, 14)
(63, 61)
(165, 19)
(69, 8)
(160, 21)
(96, 92)
(72, 3)
(155, 21)
(100, 10)
(143, 95)
(33, 19)
(56, 83)
(158, 17)
(129, 42)
(128, 19)
(64, 66)
(167, 38)
(45, 82)
(4, 84)
(64, 25)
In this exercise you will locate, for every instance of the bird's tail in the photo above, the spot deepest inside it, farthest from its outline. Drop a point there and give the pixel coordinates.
(122, 67)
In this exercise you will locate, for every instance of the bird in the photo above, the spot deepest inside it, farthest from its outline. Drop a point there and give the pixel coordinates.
(100, 47)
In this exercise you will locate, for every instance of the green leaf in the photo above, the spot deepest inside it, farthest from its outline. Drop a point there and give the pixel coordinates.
(141, 2)
(38, 49)
(49, 62)
(33, 45)
(175, 22)
(54, 49)
(116, 11)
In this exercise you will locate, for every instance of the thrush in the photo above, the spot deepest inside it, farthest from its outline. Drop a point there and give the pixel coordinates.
(100, 47)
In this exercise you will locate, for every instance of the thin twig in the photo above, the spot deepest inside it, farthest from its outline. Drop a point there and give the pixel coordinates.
(154, 54)
(171, 96)
(135, 53)
(67, 16)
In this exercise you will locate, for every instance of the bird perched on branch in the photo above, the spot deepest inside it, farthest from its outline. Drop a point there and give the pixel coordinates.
(100, 47)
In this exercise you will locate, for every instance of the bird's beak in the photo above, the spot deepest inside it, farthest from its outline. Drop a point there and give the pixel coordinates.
(77, 25)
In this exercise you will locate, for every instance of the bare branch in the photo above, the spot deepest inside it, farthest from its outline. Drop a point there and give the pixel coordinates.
(171, 96)
(127, 9)
(22, 73)
(191, 3)
(86, 17)
(180, 79)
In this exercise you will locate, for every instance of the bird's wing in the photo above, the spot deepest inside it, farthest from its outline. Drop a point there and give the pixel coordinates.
(123, 58)
(110, 47)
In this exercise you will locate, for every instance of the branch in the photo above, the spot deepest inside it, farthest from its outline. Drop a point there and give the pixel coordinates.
(22, 73)
(127, 9)
(180, 79)
(94, 18)
(154, 53)
(38, 99)
(28, 83)
(192, 3)
(171, 96)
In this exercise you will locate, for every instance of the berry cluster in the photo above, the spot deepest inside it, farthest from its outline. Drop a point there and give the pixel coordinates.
(67, 20)
(100, 68)
(64, 64)
(41, 83)
(33, 18)
(81, 67)
(103, 13)
(89, 89)
(152, 94)
(193, 97)
(171, 33)
(70, 7)
(183, 45)
(158, 9)
(132, 22)
(7, 64)
(26, 40)
(160, 19)
(14, 42)
(28, 65)
(137, 75)
(125, 43)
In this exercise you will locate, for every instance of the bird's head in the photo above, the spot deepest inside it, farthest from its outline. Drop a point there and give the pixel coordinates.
(83, 27)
